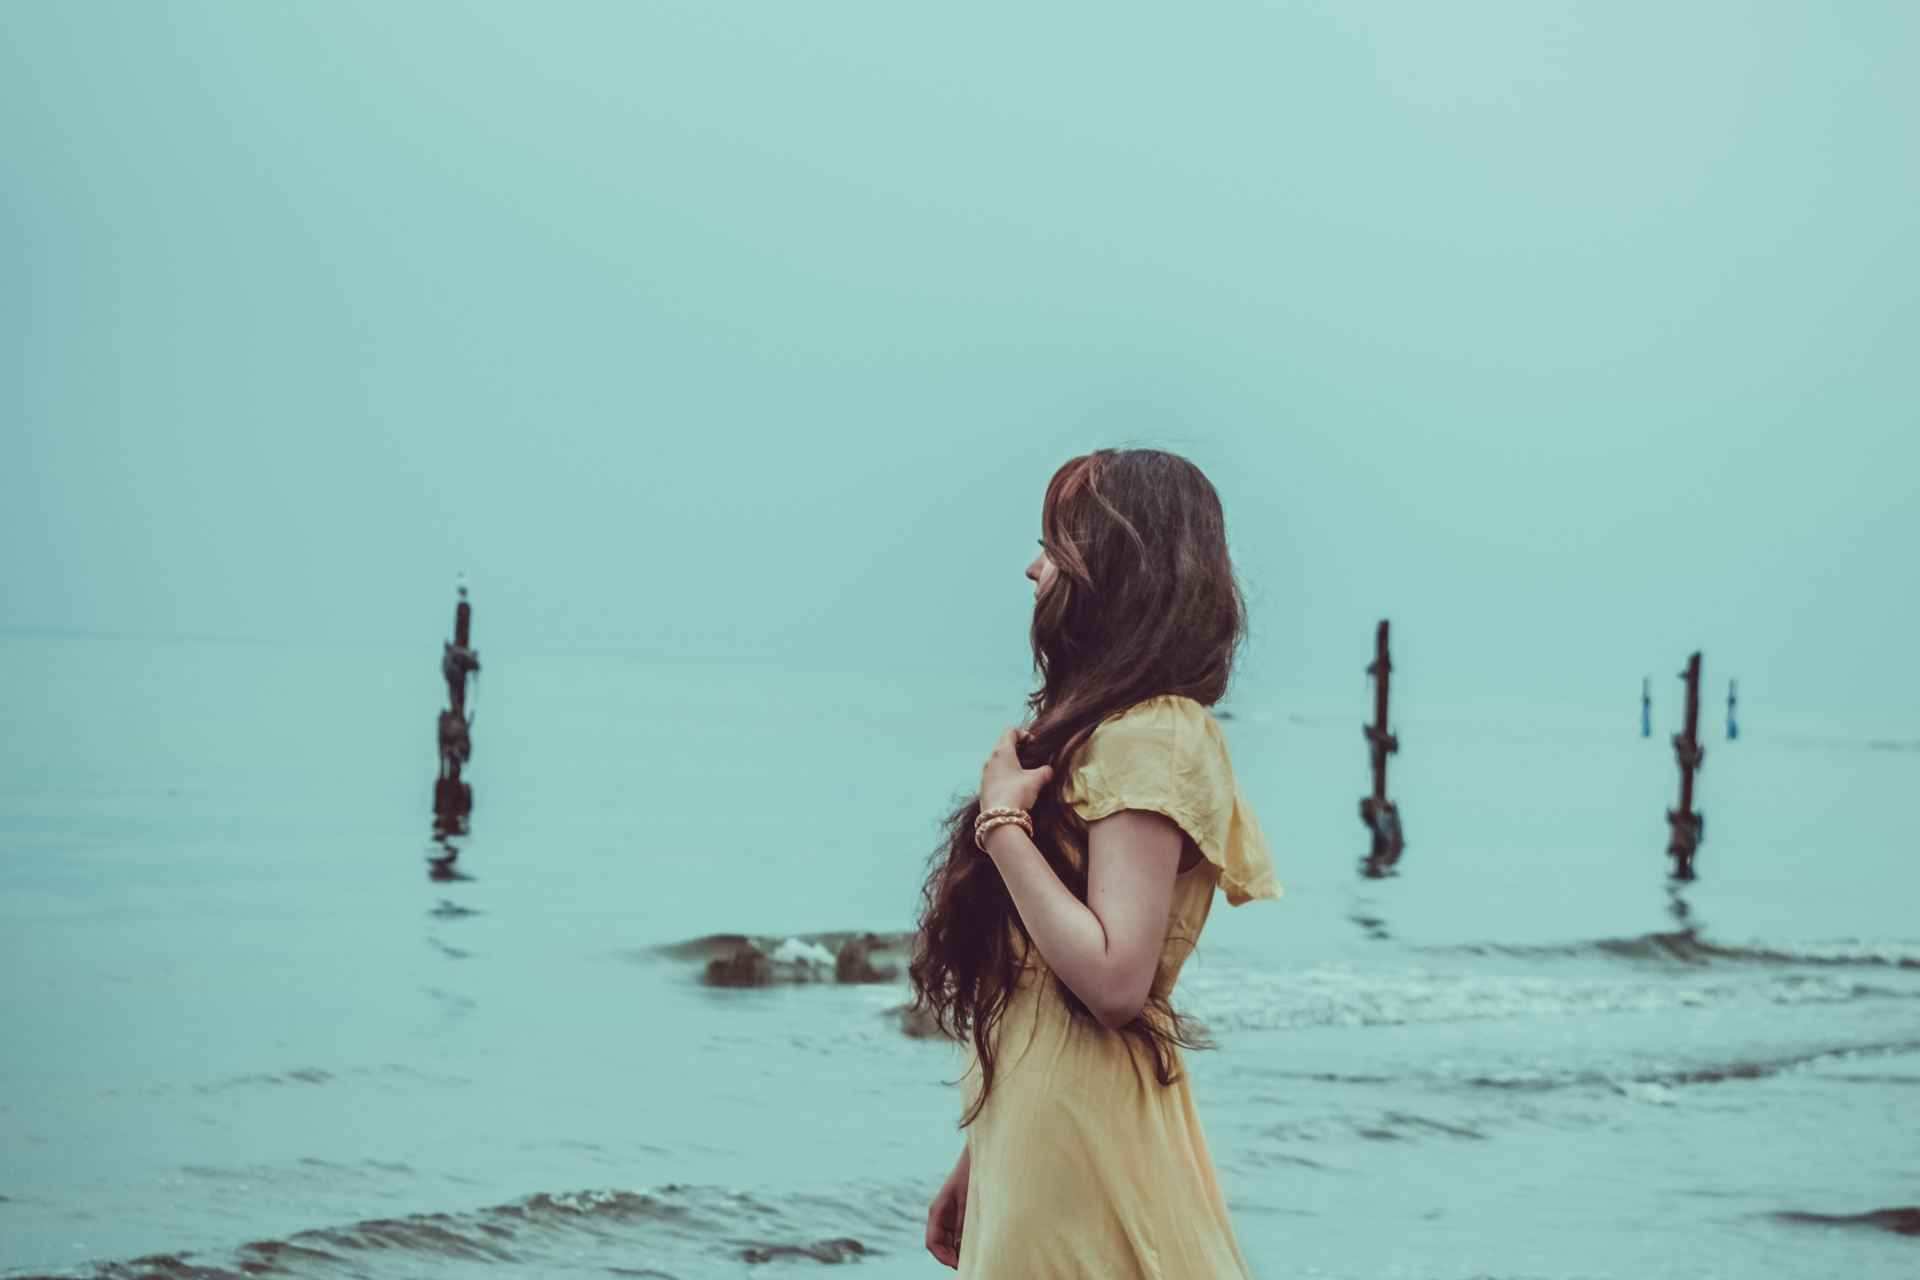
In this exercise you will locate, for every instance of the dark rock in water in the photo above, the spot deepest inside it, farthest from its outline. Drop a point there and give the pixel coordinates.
(920, 1025)
(736, 960)
(709, 947)
(854, 963)
(746, 967)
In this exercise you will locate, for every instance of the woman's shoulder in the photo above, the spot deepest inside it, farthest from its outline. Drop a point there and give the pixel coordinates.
(1166, 732)
(1168, 753)
(1165, 715)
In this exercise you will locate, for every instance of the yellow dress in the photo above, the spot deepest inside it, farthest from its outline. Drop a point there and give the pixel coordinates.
(1082, 1165)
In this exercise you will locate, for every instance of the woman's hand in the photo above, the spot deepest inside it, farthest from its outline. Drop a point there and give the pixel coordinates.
(1004, 781)
(948, 1214)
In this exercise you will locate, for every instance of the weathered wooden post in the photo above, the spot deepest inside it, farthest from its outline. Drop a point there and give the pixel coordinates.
(1376, 811)
(1646, 708)
(1733, 724)
(1689, 828)
(453, 798)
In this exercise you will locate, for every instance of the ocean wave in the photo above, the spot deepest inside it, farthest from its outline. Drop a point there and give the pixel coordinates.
(1660, 1085)
(1652, 1085)
(745, 960)
(1343, 996)
(1687, 947)
(676, 1229)
(1904, 1221)
(1385, 1126)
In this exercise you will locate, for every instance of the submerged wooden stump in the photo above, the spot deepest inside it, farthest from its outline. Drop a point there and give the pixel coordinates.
(1381, 817)
(1689, 827)
(452, 797)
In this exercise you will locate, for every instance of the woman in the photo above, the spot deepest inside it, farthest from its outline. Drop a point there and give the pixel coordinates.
(1051, 942)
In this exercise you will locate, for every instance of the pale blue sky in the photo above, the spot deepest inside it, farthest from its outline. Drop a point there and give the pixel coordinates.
(1570, 336)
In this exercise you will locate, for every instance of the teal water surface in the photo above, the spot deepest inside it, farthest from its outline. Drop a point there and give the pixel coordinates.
(249, 1030)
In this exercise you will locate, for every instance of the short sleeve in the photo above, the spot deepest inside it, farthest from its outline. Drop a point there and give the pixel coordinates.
(1168, 755)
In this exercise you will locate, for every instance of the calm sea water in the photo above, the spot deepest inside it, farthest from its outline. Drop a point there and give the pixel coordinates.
(248, 1032)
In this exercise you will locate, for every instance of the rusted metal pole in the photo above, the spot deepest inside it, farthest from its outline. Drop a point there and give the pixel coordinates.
(1382, 819)
(1689, 828)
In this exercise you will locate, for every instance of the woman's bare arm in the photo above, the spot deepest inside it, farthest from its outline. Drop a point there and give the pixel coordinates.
(1107, 948)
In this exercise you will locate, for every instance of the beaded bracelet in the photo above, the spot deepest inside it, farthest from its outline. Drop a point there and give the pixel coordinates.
(980, 832)
(1000, 817)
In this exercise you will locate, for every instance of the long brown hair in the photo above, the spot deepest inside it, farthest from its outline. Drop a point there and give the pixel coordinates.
(1143, 602)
